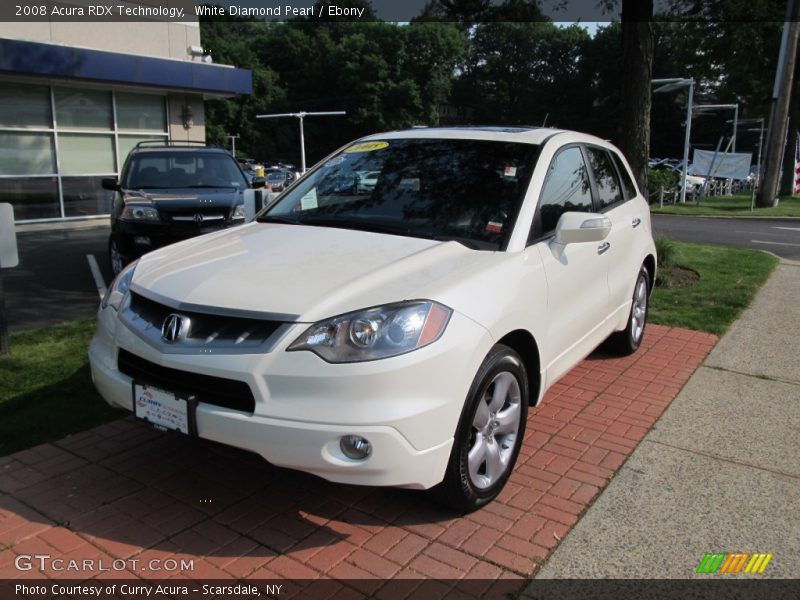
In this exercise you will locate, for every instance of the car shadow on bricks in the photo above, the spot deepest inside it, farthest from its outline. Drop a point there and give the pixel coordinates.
(126, 491)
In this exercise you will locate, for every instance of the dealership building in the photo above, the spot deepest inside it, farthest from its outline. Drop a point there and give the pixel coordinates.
(75, 97)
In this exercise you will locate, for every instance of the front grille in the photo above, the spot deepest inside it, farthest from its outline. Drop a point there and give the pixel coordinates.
(227, 393)
(206, 331)
(185, 221)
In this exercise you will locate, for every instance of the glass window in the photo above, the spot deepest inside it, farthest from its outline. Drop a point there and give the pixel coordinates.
(25, 106)
(32, 198)
(464, 190)
(141, 112)
(183, 169)
(83, 109)
(26, 153)
(605, 178)
(565, 189)
(127, 143)
(627, 182)
(84, 196)
(84, 154)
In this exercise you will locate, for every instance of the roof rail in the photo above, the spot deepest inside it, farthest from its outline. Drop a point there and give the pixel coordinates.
(173, 143)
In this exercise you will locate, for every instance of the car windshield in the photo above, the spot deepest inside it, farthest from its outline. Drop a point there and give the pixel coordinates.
(276, 176)
(171, 170)
(448, 189)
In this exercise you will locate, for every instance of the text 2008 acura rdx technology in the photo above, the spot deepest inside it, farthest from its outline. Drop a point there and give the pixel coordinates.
(393, 334)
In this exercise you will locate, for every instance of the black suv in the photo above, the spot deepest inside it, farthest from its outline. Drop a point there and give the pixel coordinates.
(170, 191)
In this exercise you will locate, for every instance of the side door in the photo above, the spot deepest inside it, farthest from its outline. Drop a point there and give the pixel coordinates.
(577, 289)
(614, 201)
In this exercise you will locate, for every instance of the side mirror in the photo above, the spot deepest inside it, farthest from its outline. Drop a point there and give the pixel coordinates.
(110, 183)
(258, 183)
(579, 227)
(250, 207)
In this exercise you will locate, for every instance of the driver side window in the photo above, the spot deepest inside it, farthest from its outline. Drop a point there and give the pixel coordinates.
(566, 188)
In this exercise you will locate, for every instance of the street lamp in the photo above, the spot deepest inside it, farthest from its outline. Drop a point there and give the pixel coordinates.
(302, 115)
(669, 85)
(233, 139)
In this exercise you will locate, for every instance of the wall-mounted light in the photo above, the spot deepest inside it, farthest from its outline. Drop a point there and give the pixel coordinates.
(187, 116)
(199, 52)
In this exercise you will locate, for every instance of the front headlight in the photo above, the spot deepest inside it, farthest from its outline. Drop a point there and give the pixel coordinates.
(375, 333)
(119, 287)
(238, 212)
(139, 212)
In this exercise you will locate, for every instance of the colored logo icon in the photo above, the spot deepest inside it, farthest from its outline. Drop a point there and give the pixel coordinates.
(734, 562)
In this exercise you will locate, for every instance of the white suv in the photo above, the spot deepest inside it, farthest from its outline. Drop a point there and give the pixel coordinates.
(394, 335)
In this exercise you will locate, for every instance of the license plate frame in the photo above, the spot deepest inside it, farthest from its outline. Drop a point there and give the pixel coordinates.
(165, 410)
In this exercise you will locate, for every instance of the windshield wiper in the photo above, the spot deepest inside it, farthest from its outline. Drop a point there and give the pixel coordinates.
(273, 219)
(358, 226)
(211, 186)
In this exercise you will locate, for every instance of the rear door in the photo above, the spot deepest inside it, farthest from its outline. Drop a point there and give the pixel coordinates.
(614, 200)
(577, 289)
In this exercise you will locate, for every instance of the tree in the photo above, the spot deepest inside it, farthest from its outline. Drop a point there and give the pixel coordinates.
(637, 65)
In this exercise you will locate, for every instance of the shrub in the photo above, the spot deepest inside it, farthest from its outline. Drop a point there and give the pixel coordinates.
(661, 178)
(667, 251)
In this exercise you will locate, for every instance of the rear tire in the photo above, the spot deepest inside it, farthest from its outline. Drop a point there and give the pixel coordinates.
(627, 341)
(489, 433)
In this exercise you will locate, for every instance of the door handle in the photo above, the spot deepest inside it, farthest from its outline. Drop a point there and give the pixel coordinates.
(636, 222)
(603, 248)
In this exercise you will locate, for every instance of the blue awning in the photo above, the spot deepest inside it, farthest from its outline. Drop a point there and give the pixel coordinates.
(48, 60)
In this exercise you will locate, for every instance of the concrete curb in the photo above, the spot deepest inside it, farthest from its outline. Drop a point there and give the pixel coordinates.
(92, 223)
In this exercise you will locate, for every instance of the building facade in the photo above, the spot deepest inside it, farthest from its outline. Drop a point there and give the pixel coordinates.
(75, 97)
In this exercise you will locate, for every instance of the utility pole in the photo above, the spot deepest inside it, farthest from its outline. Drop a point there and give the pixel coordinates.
(302, 115)
(233, 139)
(767, 194)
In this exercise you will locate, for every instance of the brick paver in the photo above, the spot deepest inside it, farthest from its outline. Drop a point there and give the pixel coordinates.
(123, 491)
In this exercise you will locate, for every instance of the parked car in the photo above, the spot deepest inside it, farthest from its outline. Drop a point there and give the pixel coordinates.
(279, 179)
(170, 191)
(395, 341)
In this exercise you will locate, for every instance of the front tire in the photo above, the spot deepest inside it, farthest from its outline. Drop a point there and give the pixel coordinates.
(627, 342)
(115, 256)
(489, 433)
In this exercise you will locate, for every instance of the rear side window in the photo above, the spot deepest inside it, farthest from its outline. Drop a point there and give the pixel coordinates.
(605, 178)
(566, 188)
(627, 182)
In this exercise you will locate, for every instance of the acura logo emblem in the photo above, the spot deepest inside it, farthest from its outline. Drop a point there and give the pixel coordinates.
(198, 218)
(175, 328)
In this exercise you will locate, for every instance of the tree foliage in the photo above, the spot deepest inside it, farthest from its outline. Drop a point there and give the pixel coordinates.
(480, 62)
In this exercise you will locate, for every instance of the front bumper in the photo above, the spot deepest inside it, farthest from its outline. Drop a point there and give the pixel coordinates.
(408, 406)
(131, 235)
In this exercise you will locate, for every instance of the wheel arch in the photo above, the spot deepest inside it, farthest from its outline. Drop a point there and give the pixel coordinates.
(525, 345)
(650, 264)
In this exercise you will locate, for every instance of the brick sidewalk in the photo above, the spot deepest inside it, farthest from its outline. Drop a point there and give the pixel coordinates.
(123, 490)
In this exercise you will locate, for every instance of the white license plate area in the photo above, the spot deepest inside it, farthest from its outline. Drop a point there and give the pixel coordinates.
(163, 409)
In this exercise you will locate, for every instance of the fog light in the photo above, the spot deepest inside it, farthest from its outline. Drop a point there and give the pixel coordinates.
(141, 239)
(355, 447)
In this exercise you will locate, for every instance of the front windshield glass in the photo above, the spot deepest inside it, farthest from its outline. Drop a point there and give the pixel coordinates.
(165, 170)
(463, 190)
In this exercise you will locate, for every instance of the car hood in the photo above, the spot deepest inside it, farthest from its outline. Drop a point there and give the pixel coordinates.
(176, 199)
(302, 273)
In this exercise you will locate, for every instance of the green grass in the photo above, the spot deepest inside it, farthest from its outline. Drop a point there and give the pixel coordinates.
(729, 279)
(731, 206)
(46, 390)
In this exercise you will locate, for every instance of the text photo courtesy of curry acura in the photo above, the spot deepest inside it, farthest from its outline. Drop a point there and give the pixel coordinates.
(170, 191)
(393, 335)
